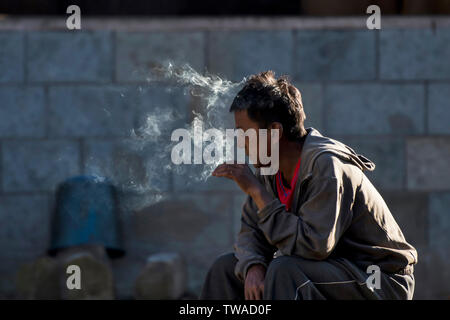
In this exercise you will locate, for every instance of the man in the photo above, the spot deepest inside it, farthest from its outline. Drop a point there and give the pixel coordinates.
(314, 229)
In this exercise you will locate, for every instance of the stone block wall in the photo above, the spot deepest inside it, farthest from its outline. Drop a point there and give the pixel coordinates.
(68, 97)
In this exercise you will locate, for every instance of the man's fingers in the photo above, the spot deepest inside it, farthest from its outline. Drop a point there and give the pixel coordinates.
(248, 294)
(220, 166)
(221, 170)
(256, 293)
(234, 165)
(226, 166)
(260, 290)
(252, 294)
(226, 174)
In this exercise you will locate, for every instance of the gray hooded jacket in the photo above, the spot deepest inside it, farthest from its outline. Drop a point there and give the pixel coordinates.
(336, 212)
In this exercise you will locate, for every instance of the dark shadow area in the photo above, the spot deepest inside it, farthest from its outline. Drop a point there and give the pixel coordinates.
(225, 8)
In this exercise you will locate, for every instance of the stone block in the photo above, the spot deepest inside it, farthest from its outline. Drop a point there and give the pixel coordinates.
(47, 277)
(22, 113)
(410, 210)
(163, 277)
(128, 168)
(238, 203)
(312, 97)
(25, 221)
(69, 56)
(365, 109)
(12, 261)
(388, 156)
(334, 55)
(162, 107)
(432, 274)
(38, 165)
(139, 53)
(414, 54)
(126, 270)
(11, 56)
(439, 233)
(84, 111)
(197, 178)
(39, 280)
(197, 223)
(439, 108)
(237, 54)
(427, 163)
(96, 277)
(161, 110)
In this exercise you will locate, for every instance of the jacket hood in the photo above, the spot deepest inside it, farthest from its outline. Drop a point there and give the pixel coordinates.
(315, 144)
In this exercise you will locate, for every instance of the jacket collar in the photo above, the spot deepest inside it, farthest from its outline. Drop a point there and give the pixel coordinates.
(316, 144)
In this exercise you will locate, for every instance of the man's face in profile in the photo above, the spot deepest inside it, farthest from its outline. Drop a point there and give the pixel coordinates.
(252, 148)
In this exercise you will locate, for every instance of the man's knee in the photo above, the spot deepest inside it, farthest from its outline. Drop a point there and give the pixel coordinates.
(282, 276)
(281, 264)
(224, 264)
(220, 282)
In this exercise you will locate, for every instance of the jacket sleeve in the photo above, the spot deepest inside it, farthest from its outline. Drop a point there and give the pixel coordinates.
(251, 247)
(323, 218)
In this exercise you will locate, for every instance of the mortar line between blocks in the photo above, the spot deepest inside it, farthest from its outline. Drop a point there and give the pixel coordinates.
(294, 61)
(114, 57)
(46, 111)
(25, 58)
(324, 87)
(377, 55)
(426, 108)
(405, 163)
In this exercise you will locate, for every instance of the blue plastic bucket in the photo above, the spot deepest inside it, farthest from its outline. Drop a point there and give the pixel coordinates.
(86, 212)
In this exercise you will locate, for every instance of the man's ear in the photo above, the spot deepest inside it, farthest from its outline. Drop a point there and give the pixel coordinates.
(279, 126)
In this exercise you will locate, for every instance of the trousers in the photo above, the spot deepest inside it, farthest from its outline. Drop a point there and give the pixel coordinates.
(296, 278)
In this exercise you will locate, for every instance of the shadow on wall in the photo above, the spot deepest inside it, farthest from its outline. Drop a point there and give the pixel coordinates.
(86, 233)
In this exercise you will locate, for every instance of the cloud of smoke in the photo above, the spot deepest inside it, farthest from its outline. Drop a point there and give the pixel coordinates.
(172, 97)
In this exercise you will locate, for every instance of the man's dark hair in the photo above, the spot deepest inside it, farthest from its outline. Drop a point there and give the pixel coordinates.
(268, 99)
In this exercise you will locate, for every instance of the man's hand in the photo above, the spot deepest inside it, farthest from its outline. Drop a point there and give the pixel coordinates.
(241, 174)
(246, 180)
(254, 282)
